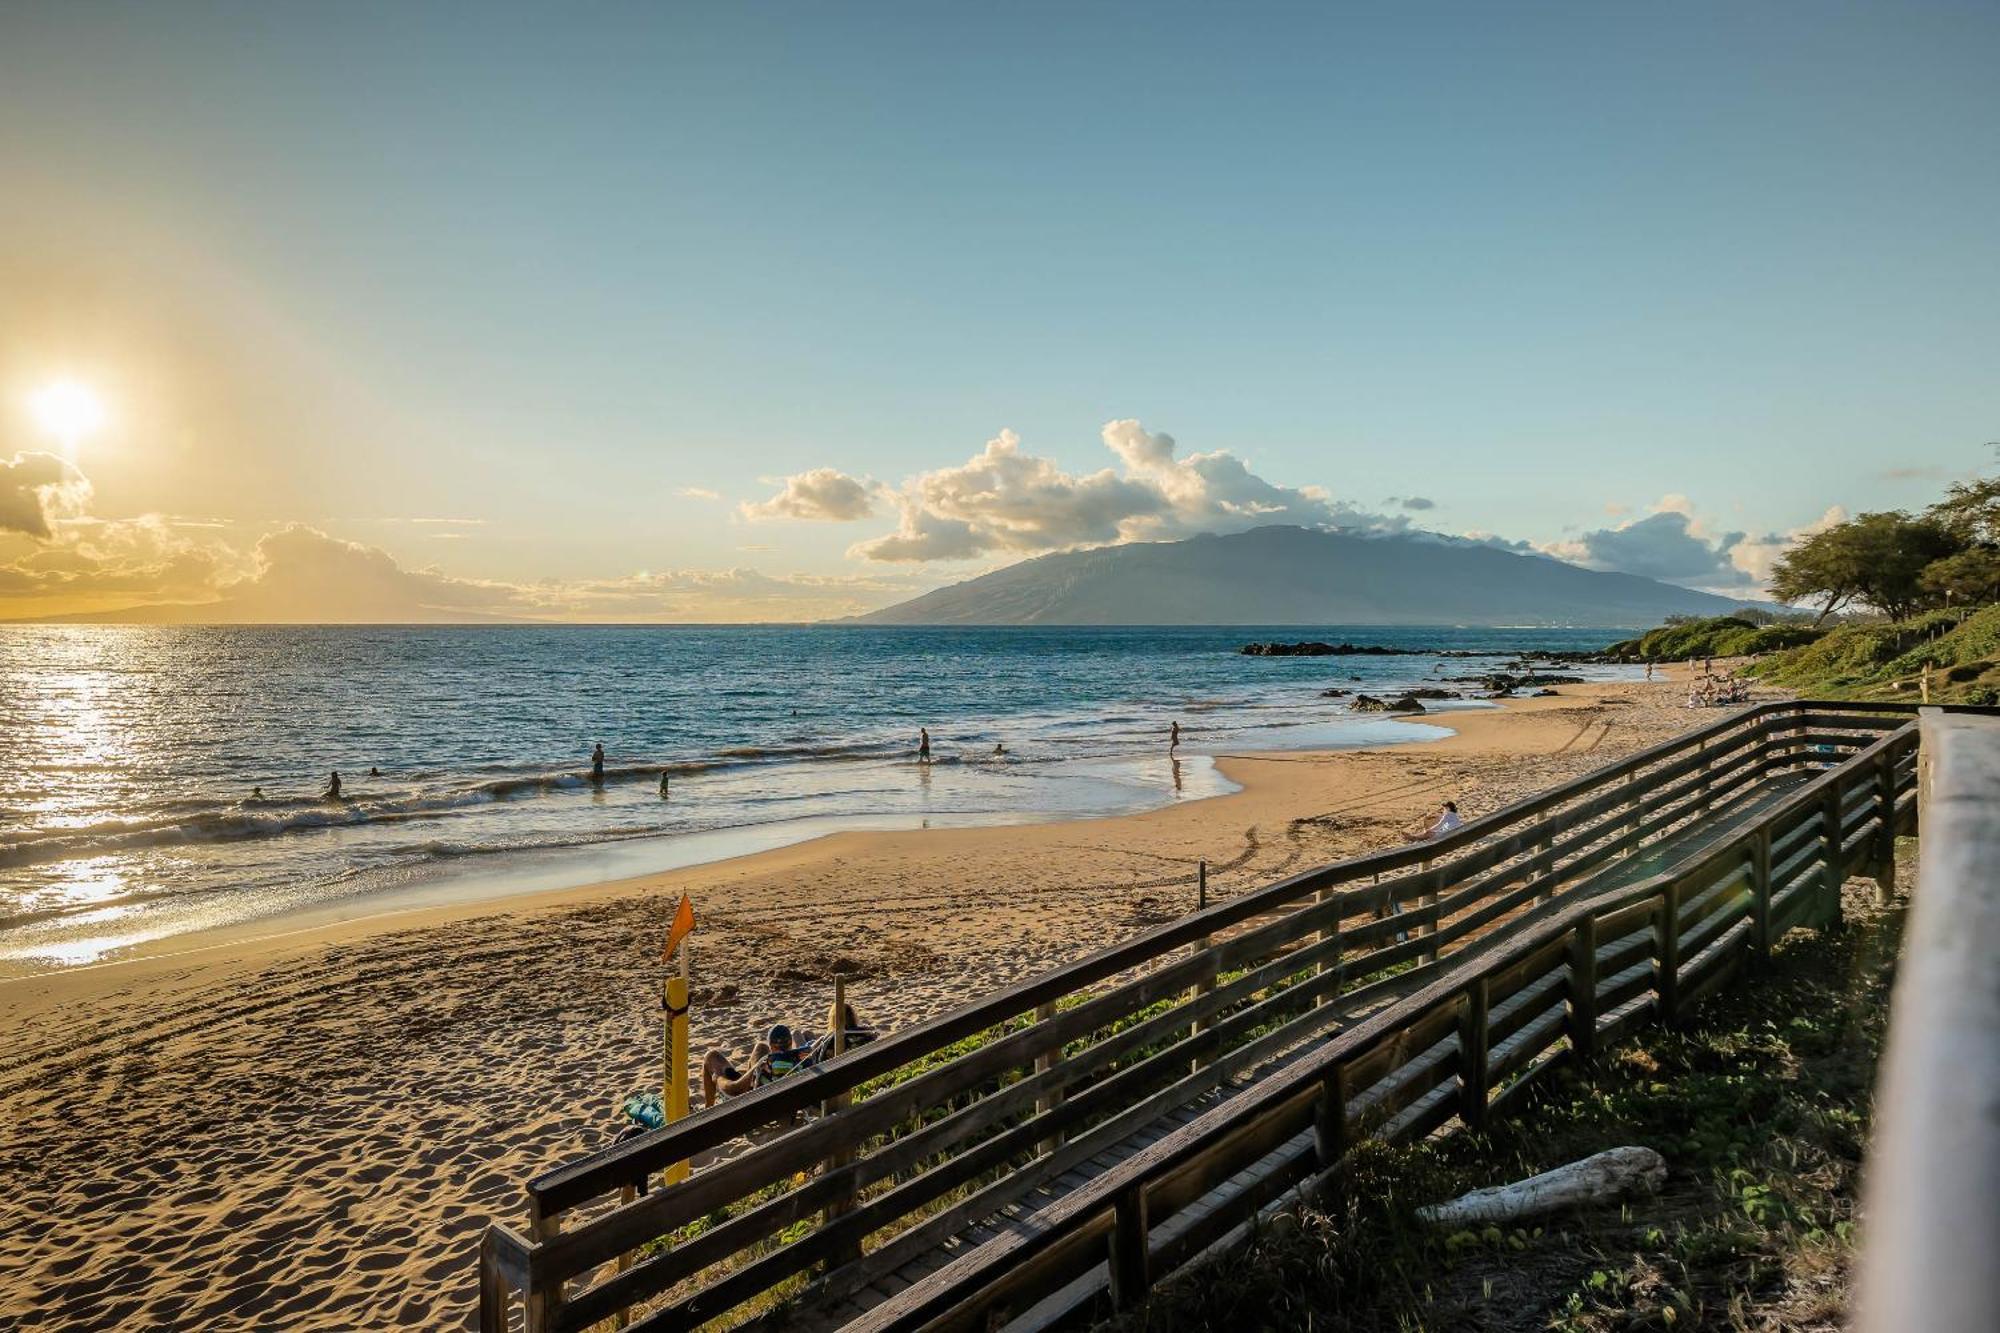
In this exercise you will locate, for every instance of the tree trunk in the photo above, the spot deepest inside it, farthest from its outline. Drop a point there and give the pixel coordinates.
(1600, 1179)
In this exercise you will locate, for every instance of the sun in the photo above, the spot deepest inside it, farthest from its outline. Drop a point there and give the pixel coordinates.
(68, 409)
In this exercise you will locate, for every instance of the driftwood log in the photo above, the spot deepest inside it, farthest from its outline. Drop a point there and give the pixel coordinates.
(1600, 1179)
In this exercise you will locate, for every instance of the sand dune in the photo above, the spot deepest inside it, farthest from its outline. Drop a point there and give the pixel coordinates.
(310, 1131)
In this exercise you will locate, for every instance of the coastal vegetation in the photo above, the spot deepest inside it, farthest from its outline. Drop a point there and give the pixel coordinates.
(1760, 1107)
(1928, 583)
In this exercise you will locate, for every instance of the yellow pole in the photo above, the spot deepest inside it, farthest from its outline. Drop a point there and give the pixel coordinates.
(674, 1095)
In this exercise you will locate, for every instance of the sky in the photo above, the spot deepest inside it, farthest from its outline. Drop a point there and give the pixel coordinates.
(721, 312)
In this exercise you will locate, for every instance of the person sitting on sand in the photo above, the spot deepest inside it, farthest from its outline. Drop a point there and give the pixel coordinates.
(332, 792)
(770, 1060)
(597, 764)
(1447, 822)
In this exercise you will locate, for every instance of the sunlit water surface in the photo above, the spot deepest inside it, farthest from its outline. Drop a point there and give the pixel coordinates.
(129, 756)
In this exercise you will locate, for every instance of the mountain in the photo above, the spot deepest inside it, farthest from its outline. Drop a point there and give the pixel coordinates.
(1297, 576)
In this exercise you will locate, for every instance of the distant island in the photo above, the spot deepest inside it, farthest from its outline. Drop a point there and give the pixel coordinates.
(1299, 576)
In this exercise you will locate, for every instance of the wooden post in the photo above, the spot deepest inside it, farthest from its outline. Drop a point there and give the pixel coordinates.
(1201, 946)
(1667, 952)
(844, 1204)
(1131, 1265)
(1760, 894)
(492, 1289)
(1583, 989)
(1428, 899)
(1472, 1051)
(543, 1304)
(1548, 871)
(1051, 1099)
(1885, 815)
(1332, 962)
(1832, 878)
(1330, 1137)
(626, 1194)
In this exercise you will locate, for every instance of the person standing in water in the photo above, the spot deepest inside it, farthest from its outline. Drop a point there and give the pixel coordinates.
(1174, 738)
(332, 792)
(597, 764)
(923, 745)
(663, 783)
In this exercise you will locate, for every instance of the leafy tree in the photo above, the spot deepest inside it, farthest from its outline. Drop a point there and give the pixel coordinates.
(1875, 560)
(1970, 511)
(1970, 578)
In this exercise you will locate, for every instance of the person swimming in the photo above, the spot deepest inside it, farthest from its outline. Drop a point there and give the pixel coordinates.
(256, 793)
(332, 792)
(374, 772)
(597, 764)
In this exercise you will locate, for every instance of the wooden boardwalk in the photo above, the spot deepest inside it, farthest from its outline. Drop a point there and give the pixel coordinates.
(1024, 1215)
(1058, 1144)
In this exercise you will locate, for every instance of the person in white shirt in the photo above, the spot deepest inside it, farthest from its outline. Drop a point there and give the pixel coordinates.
(1447, 822)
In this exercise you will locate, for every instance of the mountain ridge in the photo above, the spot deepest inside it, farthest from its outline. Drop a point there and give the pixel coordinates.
(1283, 575)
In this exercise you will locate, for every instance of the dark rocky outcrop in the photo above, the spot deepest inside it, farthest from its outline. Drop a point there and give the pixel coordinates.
(1368, 703)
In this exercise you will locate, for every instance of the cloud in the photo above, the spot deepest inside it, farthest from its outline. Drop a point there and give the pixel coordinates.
(35, 489)
(1007, 500)
(1673, 543)
(1756, 555)
(453, 522)
(824, 493)
(1667, 544)
(1419, 502)
(697, 493)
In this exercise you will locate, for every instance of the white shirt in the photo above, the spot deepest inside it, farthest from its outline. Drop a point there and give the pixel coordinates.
(1448, 822)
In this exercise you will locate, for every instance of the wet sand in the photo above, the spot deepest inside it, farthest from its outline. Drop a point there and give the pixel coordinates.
(309, 1129)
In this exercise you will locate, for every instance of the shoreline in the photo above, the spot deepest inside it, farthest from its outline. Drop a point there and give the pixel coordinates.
(310, 1129)
(434, 904)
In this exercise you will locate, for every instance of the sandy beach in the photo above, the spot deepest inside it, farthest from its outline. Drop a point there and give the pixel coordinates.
(308, 1129)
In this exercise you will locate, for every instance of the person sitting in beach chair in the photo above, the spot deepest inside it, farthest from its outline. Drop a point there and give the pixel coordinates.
(841, 1021)
(770, 1060)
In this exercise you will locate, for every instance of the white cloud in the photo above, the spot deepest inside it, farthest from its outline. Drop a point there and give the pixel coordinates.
(1672, 542)
(1004, 499)
(1756, 555)
(36, 489)
(697, 493)
(825, 494)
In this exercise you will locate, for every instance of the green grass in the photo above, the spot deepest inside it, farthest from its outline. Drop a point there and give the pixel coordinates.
(1719, 636)
(1760, 1107)
(1868, 661)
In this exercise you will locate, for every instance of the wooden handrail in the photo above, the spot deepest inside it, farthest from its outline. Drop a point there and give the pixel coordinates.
(1486, 859)
(1933, 1172)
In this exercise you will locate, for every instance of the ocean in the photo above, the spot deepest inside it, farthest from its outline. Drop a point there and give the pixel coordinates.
(160, 780)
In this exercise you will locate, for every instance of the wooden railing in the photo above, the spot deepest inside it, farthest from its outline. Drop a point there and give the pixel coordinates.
(1932, 1202)
(1381, 995)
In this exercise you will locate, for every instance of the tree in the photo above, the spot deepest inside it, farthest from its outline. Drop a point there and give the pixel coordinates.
(1970, 578)
(1875, 560)
(1970, 511)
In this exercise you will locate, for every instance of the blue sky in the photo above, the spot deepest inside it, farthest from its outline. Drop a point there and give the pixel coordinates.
(545, 267)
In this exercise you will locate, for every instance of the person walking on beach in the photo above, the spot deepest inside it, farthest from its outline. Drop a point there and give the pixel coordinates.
(923, 745)
(1174, 738)
(332, 792)
(597, 764)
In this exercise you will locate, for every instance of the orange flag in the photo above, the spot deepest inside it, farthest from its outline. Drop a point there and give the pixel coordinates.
(681, 928)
